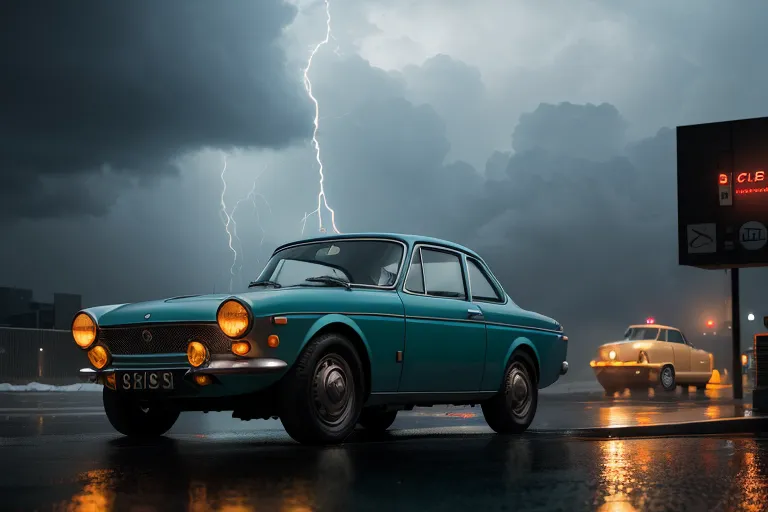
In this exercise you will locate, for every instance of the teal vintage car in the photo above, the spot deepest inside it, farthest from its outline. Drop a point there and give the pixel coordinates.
(336, 331)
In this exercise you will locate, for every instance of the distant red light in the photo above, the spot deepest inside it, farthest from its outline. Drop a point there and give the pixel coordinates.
(710, 323)
(650, 320)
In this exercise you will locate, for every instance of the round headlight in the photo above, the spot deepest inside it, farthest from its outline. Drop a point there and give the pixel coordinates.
(233, 319)
(612, 354)
(98, 356)
(197, 354)
(84, 330)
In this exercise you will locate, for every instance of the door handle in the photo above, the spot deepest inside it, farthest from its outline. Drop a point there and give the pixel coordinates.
(473, 312)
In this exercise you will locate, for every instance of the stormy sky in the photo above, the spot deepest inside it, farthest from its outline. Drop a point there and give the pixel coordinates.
(540, 135)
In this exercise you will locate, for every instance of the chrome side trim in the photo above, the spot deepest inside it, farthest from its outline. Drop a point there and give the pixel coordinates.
(341, 239)
(392, 315)
(241, 366)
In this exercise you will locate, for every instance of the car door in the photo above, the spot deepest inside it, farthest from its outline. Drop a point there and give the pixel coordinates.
(682, 351)
(444, 333)
(700, 363)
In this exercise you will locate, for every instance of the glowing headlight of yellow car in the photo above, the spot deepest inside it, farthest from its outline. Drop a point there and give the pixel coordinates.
(84, 330)
(612, 355)
(233, 318)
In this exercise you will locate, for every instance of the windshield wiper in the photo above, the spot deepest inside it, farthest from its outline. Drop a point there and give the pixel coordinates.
(329, 280)
(253, 284)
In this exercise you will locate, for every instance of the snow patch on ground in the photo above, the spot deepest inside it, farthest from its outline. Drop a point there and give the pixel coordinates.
(36, 386)
(572, 387)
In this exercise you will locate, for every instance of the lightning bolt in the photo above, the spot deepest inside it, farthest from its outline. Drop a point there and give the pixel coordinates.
(322, 200)
(252, 196)
(226, 218)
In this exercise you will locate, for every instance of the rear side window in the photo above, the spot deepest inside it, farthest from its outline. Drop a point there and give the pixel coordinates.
(480, 285)
(675, 337)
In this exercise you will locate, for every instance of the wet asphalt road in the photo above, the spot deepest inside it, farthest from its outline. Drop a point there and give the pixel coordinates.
(58, 452)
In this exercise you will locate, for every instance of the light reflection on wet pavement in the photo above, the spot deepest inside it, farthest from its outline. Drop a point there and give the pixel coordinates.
(434, 459)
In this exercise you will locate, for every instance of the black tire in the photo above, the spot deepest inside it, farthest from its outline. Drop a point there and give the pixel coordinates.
(377, 420)
(322, 395)
(667, 380)
(133, 419)
(511, 411)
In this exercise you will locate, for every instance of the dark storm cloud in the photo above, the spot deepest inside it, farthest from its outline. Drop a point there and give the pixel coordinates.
(131, 85)
(580, 131)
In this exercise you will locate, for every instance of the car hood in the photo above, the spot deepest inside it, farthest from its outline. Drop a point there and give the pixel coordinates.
(626, 350)
(263, 302)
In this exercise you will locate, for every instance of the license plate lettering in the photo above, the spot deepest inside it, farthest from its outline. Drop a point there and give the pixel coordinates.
(143, 381)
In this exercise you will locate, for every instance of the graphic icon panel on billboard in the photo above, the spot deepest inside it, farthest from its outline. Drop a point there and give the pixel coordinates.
(722, 194)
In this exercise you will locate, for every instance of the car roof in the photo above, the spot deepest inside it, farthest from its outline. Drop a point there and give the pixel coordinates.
(651, 326)
(407, 239)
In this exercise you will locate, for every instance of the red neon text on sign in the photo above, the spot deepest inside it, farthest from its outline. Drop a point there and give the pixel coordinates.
(750, 177)
(723, 179)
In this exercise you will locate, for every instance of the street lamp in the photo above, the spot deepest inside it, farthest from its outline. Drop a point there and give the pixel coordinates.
(751, 317)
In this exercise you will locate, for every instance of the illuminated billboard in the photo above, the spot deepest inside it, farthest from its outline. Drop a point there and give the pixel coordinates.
(722, 194)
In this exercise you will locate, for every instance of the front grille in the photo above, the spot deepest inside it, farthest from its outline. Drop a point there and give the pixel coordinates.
(166, 339)
(761, 360)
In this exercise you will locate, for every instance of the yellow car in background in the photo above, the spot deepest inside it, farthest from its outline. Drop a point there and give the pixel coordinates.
(652, 355)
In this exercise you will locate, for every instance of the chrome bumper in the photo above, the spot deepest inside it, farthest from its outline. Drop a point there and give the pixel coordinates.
(215, 367)
(564, 368)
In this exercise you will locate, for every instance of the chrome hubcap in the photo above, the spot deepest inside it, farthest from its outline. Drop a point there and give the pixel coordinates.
(332, 386)
(666, 377)
(518, 391)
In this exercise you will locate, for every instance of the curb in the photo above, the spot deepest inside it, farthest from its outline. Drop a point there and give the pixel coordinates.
(747, 425)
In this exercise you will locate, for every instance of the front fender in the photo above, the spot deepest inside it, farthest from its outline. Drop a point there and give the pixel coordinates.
(325, 321)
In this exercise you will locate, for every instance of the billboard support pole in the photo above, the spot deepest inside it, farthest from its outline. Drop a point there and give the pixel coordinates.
(738, 391)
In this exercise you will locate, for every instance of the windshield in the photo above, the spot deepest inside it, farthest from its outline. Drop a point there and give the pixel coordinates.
(358, 262)
(641, 333)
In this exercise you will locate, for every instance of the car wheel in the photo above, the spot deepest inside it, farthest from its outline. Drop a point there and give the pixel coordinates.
(667, 378)
(377, 420)
(511, 411)
(133, 419)
(322, 395)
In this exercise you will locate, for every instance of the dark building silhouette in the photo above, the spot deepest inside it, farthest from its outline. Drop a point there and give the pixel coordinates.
(19, 309)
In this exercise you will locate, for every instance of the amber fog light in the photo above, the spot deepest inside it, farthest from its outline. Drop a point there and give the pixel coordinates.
(273, 341)
(84, 330)
(98, 356)
(197, 353)
(233, 318)
(241, 348)
(202, 380)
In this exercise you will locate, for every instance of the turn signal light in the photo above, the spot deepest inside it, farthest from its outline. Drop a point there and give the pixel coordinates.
(233, 318)
(84, 330)
(98, 356)
(197, 354)
(273, 341)
(111, 381)
(241, 348)
(202, 380)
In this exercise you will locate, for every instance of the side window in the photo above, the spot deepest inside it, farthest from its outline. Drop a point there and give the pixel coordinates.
(415, 281)
(442, 274)
(662, 335)
(479, 284)
(675, 337)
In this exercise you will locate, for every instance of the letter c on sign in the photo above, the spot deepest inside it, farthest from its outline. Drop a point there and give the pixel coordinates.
(742, 177)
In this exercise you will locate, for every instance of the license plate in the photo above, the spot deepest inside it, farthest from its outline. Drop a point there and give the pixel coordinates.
(145, 381)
